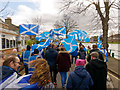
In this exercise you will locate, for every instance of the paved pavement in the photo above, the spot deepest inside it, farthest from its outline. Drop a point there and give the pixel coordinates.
(113, 65)
(59, 85)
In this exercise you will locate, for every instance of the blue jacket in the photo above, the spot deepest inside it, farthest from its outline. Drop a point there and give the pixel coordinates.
(75, 52)
(50, 56)
(75, 78)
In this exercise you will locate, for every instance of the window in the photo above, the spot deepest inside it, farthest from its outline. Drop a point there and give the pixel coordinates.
(14, 43)
(3, 43)
(11, 44)
(7, 43)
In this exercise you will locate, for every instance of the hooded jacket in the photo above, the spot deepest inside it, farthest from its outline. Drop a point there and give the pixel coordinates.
(75, 78)
(98, 72)
(50, 56)
(63, 61)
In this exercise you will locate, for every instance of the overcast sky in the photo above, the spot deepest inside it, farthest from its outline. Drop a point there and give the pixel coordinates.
(48, 10)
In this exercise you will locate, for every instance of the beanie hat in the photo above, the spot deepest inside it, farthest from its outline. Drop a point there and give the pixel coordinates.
(28, 47)
(36, 51)
(80, 62)
(15, 50)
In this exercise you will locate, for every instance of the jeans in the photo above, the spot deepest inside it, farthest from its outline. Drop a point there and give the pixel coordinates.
(63, 78)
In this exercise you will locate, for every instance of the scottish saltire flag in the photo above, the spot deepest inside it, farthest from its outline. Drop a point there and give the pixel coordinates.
(51, 32)
(59, 31)
(72, 33)
(41, 53)
(70, 44)
(39, 38)
(41, 45)
(44, 35)
(103, 51)
(22, 83)
(30, 29)
(79, 34)
(8, 80)
(85, 36)
(99, 43)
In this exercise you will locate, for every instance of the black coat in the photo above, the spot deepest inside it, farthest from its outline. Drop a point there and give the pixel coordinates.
(81, 54)
(50, 56)
(98, 72)
(95, 50)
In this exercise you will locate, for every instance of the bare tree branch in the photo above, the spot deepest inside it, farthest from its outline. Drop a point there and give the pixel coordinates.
(4, 7)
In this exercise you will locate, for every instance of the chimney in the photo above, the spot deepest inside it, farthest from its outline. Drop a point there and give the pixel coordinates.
(8, 20)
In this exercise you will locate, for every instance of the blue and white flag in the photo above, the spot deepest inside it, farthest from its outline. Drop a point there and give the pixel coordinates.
(85, 36)
(72, 34)
(99, 43)
(70, 44)
(79, 34)
(51, 32)
(103, 51)
(59, 31)
(8, 80)
(22, 83)
(41, 45)
(30, 29)
(39, 38)
(41, 53)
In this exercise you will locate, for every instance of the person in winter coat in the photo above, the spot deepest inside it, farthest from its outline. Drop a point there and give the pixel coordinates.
(9, 70)
(64, 63)
(50, 56)
(74, 55)
(98, 71)
(82, 53)
(95, 49)
(79, 79)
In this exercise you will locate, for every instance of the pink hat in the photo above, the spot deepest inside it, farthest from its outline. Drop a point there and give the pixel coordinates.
(80, 62)
(15, 50)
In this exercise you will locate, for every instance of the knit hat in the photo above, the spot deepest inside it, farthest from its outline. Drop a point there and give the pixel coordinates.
(36, 51)
(15, 50)
(80, 62)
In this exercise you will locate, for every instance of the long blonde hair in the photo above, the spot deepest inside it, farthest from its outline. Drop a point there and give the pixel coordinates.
(41, 73)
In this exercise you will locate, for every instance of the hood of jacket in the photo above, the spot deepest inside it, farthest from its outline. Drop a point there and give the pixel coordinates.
(51, 49)
(98, 63)
(80, 71)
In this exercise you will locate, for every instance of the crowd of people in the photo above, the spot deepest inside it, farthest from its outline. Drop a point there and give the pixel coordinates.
(43, 67)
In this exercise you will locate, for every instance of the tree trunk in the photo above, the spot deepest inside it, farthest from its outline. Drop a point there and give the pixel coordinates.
(105, 34)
